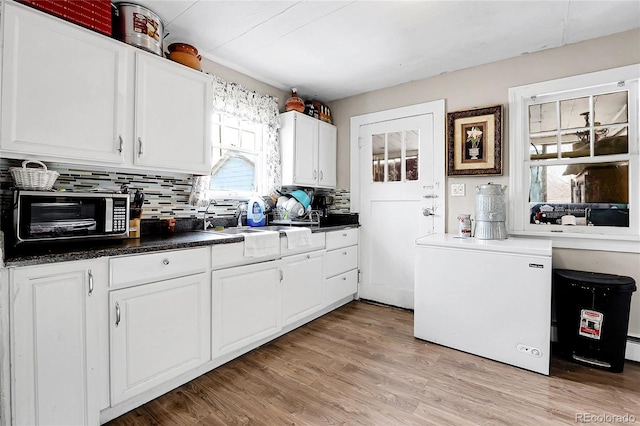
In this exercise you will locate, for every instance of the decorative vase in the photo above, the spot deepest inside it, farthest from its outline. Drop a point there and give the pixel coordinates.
(474, 152)
(294, 103)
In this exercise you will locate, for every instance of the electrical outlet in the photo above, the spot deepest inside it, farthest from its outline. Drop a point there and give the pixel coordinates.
(457, 189)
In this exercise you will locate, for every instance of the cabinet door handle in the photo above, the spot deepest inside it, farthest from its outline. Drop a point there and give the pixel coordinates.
(344, 253)
(308, 256)
(139, 146)
(315, 174)
(117, 314)
(281, 275)
(121, 145)
(344, 235)
(165, 261)
(344, 278)
(90, 275)
(321, 175)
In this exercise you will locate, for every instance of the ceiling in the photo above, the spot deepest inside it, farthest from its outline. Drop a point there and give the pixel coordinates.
(330, 50)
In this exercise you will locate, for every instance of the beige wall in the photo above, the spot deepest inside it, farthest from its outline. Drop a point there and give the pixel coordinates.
(488, 85)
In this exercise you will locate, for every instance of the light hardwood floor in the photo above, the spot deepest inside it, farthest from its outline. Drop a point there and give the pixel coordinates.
(361, 365)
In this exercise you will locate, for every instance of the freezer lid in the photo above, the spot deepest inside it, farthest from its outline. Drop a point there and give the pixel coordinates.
(525, 246)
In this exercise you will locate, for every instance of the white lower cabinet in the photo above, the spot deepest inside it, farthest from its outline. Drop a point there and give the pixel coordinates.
(59, 351)
(302, 285)
(341, 286)
(158, 331)
(341, 266)
(245, 305)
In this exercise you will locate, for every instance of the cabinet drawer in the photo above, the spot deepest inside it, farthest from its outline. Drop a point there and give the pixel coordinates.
(341, 260)
(340, 286)
(145, 268)
(344, 238)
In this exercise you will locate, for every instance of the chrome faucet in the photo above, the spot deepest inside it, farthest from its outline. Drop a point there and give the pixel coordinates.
(241, 208)
(207, 223)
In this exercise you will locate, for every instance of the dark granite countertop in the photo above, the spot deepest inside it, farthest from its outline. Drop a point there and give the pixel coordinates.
(32, 254)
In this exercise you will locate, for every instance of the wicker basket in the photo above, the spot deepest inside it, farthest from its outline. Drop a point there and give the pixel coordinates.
(33, 179)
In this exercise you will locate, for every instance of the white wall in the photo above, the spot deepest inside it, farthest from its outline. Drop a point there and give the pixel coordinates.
(488, 85)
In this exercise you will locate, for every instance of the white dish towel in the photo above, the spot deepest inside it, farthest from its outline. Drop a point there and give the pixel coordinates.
(298, 237)
(263, 243)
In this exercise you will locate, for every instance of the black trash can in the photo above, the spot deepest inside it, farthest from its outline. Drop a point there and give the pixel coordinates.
(592, 313)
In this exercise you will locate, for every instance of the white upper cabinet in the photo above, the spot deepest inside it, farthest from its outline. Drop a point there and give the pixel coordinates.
(308, 151)
(78, 97)
(173, 112)
(62, 89)
(327, 155)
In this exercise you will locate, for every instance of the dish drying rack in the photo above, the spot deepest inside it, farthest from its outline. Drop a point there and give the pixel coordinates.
(310, 218)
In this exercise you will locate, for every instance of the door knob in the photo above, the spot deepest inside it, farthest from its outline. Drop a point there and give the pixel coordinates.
(428, 212)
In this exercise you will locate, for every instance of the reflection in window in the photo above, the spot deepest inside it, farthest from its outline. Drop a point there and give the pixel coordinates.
(236, 155)
(395, 156)
(580, 136)
(378, 151)
(394, 149)
(586, 194)
(412, 140)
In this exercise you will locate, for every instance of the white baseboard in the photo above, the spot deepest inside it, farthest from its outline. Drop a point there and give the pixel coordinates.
(633, 349)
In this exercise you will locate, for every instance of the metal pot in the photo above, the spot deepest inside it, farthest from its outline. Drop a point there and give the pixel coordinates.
(138, 26)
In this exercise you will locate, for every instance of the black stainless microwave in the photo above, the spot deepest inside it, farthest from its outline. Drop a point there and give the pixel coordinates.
(49, 216)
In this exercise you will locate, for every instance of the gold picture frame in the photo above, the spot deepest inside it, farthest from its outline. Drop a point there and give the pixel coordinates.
(474, 142)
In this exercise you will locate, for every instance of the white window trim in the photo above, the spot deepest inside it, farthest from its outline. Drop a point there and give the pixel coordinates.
(519, 177)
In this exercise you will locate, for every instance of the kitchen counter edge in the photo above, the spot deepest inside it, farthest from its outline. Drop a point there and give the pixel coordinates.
(144, 244)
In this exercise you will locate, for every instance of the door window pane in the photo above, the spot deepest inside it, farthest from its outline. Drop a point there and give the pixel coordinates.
(377, 151)
(394, 148)
(412, 139)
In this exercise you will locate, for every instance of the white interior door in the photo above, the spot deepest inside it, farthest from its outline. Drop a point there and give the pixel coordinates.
(401, 197)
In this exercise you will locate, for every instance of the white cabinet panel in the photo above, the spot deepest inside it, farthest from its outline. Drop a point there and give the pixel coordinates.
(342, 238)
(246, 305)
(62, 90)
(145, 268)
(308, 151)
(302, 286)
(59, 349)
(341, 260)
(173, 112)
(327, 155)
(158, 331)
(340, 286)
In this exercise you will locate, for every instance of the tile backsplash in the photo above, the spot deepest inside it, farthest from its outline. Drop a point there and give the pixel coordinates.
(165, 195)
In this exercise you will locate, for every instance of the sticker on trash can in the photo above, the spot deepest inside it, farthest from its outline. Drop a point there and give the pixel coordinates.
(590, 324)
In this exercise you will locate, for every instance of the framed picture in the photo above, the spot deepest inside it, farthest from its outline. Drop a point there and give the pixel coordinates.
(474, 142)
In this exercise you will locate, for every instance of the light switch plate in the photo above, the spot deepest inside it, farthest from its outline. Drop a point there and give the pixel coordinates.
(457, 189)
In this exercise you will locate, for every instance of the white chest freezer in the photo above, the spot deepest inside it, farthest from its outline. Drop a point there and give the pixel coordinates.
(491, 298)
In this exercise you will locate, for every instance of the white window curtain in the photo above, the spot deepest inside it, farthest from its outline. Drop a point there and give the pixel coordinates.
(235, 100)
